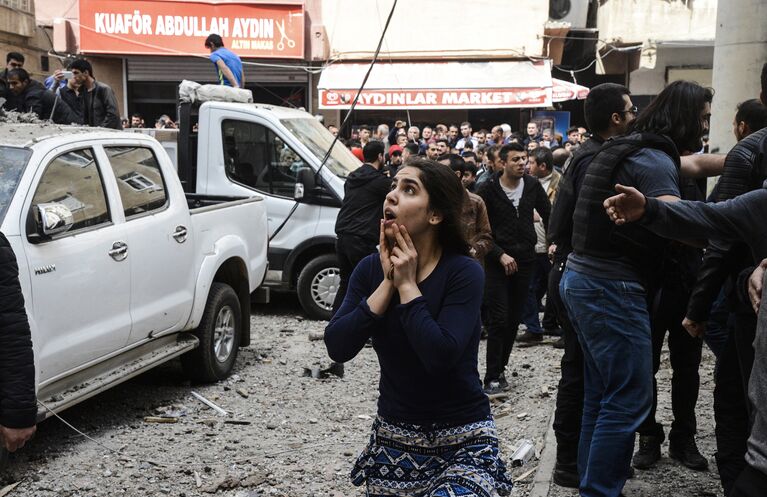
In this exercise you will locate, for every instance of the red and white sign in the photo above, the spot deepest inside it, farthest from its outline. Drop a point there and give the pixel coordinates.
(437, 85)
(436, 99)
(563, 91)
(174, 27)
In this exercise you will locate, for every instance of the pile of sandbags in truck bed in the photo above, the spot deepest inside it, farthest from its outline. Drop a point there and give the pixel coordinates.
(191, 92)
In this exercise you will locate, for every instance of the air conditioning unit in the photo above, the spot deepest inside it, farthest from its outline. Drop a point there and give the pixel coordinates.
(575, 12)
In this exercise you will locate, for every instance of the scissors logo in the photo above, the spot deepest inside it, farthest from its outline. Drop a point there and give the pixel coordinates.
(283, 37)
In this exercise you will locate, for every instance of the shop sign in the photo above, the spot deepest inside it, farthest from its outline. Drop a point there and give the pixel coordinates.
(478, 98)
(169, 27)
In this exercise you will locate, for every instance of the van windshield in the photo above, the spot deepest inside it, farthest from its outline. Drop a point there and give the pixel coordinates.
(317, 139)
(12, 163)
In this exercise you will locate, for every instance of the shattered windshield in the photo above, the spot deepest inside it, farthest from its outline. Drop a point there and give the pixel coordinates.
(318, 139)
(12, 163)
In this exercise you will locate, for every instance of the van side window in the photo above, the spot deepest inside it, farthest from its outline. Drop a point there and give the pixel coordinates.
(256, 157)
(73, 179)
(139, 179)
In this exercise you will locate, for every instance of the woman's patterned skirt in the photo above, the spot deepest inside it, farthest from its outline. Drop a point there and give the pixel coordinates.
(432, 461)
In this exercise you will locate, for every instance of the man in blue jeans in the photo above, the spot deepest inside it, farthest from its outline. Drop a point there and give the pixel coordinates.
(612, 271)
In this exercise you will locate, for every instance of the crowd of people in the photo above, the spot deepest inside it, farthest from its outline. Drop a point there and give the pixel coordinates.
(426, 269)
(74, 96)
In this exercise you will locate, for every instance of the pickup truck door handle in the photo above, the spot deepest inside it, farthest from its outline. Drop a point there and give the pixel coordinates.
(119, 251)
(180, 234)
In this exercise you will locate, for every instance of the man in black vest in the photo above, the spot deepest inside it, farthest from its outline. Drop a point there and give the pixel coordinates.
(610, 273)
(608, 111)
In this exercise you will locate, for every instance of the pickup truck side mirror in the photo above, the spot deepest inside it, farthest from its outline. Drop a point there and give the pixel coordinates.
(54, 218)
(305, 182)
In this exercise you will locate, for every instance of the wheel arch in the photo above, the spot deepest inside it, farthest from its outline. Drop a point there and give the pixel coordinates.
(234, 273)
(303, 253)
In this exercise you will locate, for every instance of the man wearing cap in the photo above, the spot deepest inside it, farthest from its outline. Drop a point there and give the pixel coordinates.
(395, 160)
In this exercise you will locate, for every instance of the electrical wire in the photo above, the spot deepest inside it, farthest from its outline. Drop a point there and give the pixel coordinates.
(317, 176)
(68, 424)
(359, 92)
(391, 61)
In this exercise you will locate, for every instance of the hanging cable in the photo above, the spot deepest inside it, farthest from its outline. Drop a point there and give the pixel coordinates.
(359, 92)
(317, 176)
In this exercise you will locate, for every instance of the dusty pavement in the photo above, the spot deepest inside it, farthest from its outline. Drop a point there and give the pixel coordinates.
(287, 434)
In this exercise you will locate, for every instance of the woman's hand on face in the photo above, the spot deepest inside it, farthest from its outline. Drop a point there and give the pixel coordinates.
(404, 258)
(385, 252)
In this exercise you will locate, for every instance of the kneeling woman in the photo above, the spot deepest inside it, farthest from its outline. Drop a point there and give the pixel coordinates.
(419, 300)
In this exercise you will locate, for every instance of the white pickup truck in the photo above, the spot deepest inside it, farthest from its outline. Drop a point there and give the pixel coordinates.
(225, 148)
(120, 269)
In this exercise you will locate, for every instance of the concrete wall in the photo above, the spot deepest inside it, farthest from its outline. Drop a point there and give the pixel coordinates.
(18, 33)
(657, 20)
(651, 81)
(739, 53)
(481, 28)
(109, 70)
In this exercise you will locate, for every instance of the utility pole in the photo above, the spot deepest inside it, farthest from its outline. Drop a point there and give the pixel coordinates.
(740, 50)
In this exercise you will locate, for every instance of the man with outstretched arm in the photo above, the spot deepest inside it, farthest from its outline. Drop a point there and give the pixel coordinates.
(739, 218)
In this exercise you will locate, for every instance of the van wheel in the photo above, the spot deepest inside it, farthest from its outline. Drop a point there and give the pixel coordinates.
(219, 334)
(317, 286)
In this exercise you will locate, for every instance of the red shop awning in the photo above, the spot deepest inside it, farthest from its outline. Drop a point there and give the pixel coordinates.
(562, 91)
(438, 85)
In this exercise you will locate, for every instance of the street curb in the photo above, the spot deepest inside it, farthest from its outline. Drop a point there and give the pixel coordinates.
(542, 480)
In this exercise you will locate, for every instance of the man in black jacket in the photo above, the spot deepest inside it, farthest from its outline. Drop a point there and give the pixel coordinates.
(32, 96)
(357, 224)
(510, 198)
(18, 406)
(608, 111)
(14, 60)
(93, 101)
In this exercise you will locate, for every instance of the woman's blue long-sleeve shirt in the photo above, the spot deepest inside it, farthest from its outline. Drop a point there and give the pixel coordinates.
(427, 348)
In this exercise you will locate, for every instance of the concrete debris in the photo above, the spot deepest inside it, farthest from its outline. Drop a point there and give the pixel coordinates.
(227, 483)
(6, 490)
(159, 419)
(316, 372)
(210, 404)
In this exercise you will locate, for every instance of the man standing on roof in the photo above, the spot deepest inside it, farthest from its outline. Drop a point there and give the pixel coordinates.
(228, 64)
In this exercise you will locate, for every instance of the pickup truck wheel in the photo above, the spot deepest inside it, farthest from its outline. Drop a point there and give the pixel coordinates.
(317, 286)
(219, 334)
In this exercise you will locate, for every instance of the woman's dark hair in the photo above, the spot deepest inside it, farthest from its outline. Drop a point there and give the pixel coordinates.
(753, 113)
(676, 113)
(602, 102)
(446, 196)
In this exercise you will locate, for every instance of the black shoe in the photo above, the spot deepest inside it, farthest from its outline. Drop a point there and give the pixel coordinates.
(492, 387)
(560, 344)
(686, 452)
(565, 476)
(648, 453)
(528, 339)
(553, 332)
(503, 384)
